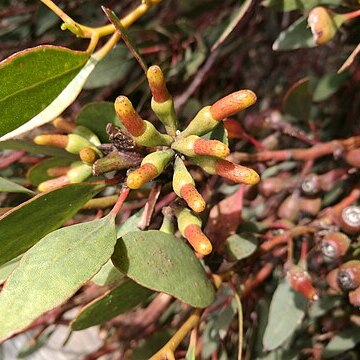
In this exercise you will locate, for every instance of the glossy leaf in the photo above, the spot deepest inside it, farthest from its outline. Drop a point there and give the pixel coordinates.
(163, 263)
(241, 246)
(31, 80)
(287, 309)
(289, 5)
(38, 173)
(9, 186)
(329, 85)
(96, 116)
(343, 341)
(116, 301)
(25, 225)
(53, 270)
(8, 268)
(296, 36)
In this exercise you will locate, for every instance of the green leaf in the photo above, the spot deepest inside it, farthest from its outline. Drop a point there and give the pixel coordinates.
(296, 36)
(9, 186)
(31, 346)
(26, 224)
(31, 80)
(328, 85)
(8, 268)
(343, 341)
(164, 263)
(53, 270)
(241, 246)
(131, 224)
(111, 69)
(114, 302)
(38, 173)
(289, 5)
(96, 116)
(33, 148)
(287, 309)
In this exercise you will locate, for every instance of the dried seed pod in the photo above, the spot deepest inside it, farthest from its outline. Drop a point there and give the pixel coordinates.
(310, 206)
(332, 280)
(349, 275)
(190, 228)
(354, 297)
(300, 281)
(352, 157)
(194, 145)
(350, 219)
(234, 172)
(289, 208)
(334, 245)
(151, 167)
(184, 187)
(311, 185)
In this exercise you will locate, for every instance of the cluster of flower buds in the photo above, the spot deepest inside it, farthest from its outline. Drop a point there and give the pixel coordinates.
(176, 148)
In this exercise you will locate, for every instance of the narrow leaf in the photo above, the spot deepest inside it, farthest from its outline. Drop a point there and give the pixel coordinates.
(162, 262)
(9, 186)
(116, 301)
(8, 268)
(25, 225)
(53, 270)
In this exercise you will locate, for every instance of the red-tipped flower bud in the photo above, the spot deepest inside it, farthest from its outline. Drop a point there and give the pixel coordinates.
(157, 84)
(184, 187)
(350, 219)
(300, 281)
(349, 275)
(334, 245)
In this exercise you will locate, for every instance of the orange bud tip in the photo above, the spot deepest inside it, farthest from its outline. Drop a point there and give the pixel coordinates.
(141, 176)
(157, 84)
(232, 104)
(64, 125)
(58, 171)
(198, 239)
(53, 183)
(128, 116)
(88, 155)
(192, 197)
(237, 173)
(211, 147)
(52, 140)
(300, 281)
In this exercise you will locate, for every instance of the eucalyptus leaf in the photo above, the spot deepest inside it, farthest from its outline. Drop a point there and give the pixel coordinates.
(343, 341)
(53, 270)
(162, 262)
(25, 225)
(287, 309)
(8, 268)
(328, 85)
(114, 302)
(12, 187)
(241, 246)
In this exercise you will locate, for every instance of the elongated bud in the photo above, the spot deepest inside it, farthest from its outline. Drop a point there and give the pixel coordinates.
(76, 143)
(132, 121)
(53, 183)
(194, 145)
(354, 297)
(232, 104)
(352, 157)
(64, 125)
(57, 171)
(350, 219)
(289, 208)
(79, 172)
(349, 275)
(52, 140)
(190, 228)
(234, 172)
(311, 185)
(300, 281)
(87, 134)
(324, 24)
(151, 167)
(310, 206)
(115, 161)
(152, 137)
(334, 245)
(88, 155)
(184, 187)
(332, 280)
(157, 84)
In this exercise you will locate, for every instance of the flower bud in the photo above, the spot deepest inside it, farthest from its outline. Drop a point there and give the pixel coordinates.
(64, 125)
(349, 275)
(232, 104)
(300, 281)
(184, 187)
(332, 280)
(52, 184)
(79, 172)
(167, 225)
(52, 140)
(151, 167)
(354, 297)
(190, 228)
(289, 208)
(352, 157)
(194, 145)
(324, 24)
(152, 137)
(350, 219)
(334, 245)
(88, 155)
(87, 134)
(157, 84)
(76, 143)
(234, 172)
(57, 171)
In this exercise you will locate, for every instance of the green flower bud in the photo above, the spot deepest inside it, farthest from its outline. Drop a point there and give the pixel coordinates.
(152, 137)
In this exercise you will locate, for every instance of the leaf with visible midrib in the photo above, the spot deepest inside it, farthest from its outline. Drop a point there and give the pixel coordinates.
(25, 225)
(116, 301)
(162, 262)
(9, 186)
(31, 79)
(53, 270)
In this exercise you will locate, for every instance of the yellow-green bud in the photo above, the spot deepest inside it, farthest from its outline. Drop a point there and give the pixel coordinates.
(76, 143)
(87, 134)
(79, 172)
(165, 111)
(152, 137)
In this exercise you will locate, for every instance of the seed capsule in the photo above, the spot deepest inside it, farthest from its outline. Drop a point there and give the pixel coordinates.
(354, 297)
(332, 280)
(350, 219)
(311, 185)
(334, 245)
(184, 187)
(349, 275)
(300, 281)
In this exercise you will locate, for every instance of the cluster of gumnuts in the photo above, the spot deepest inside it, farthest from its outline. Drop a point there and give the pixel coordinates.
(146, 153)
